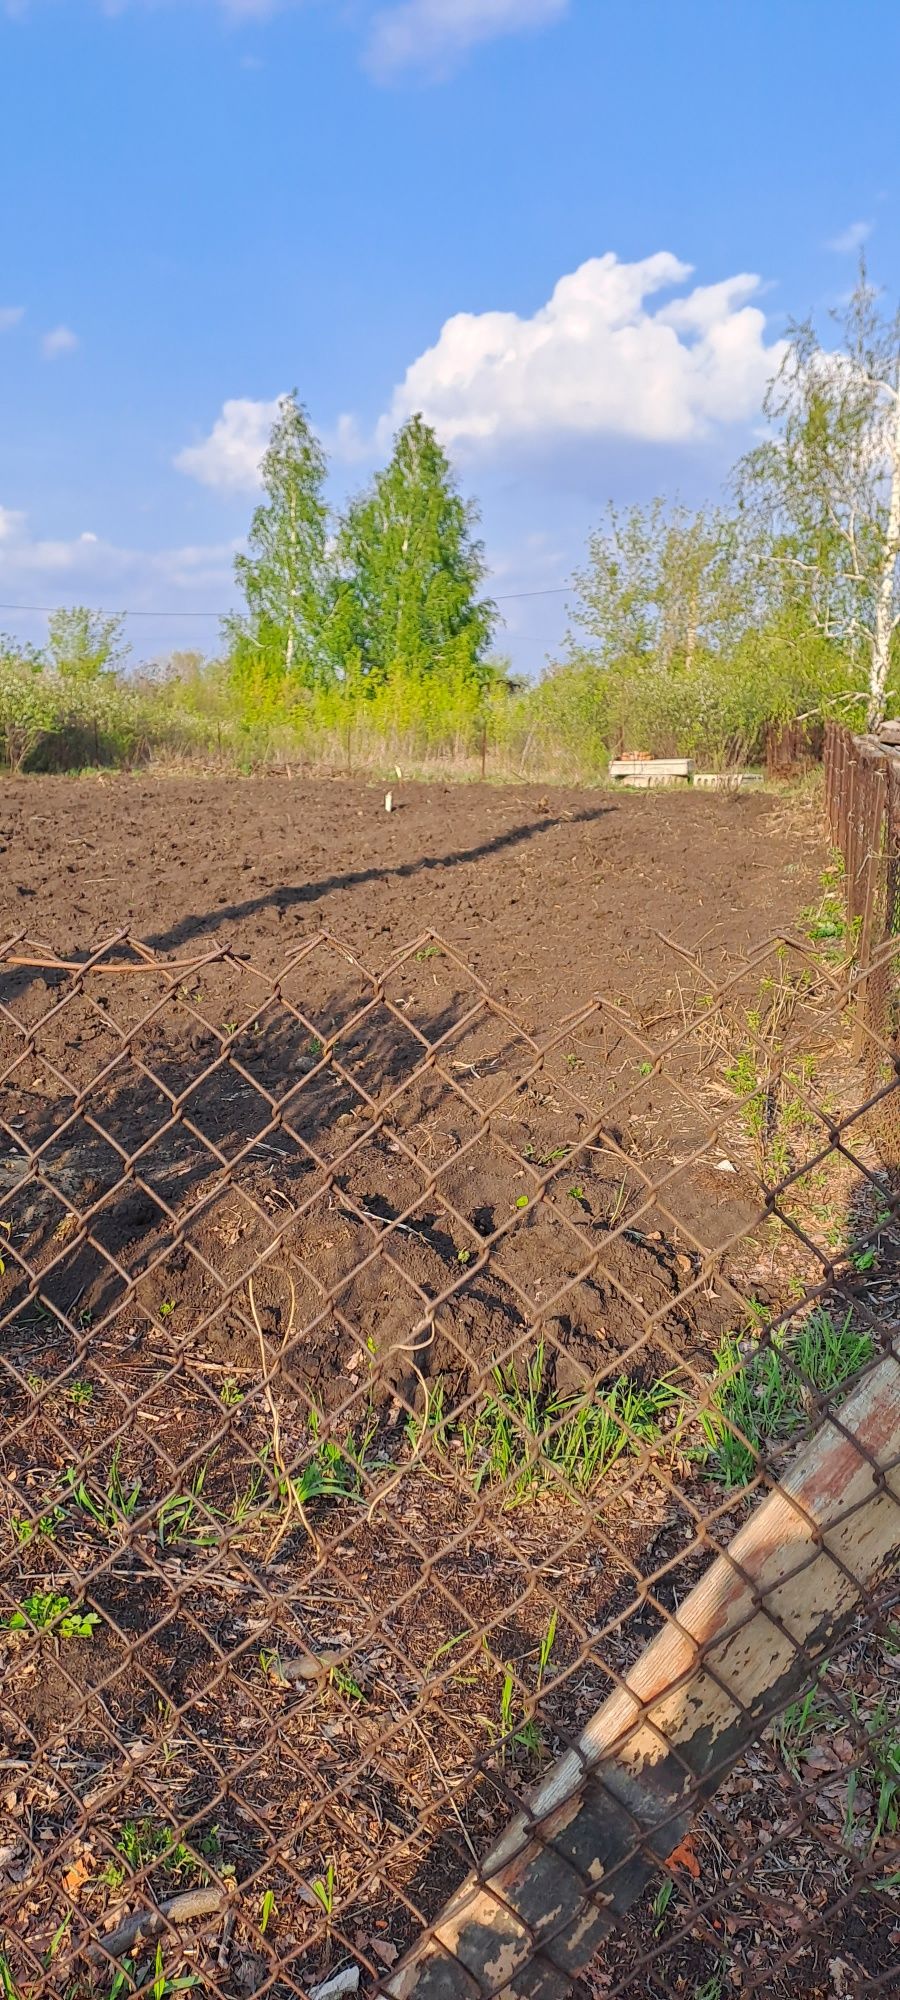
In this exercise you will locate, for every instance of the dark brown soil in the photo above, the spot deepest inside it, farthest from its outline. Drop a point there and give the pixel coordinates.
(388, 1189)
(549, 897)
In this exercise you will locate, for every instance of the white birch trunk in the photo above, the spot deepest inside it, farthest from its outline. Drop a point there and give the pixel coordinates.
(292, 588)
(883, 628)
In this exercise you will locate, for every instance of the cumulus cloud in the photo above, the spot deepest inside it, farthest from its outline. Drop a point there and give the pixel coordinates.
(61, 340)
(228, 459)
(10, 316)
(597, 359)
(12, 524)
(434, 34)
(850, 239)
(87, 567)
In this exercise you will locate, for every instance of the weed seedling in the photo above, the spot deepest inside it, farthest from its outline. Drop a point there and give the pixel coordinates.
(230, 1394)
(117, 1505)
(25, 1531)
(176, 1514)
(761, 1401)
(323, 1889)
(244, 1502)
(267, 1911)
(523, 1431)
(8, 1987)
(879, 1770)
(800, 1723)
(331, 1475)
(57, 1938)
(431, 1420)
(345, 1684)
(546, 1647)
(166, 1307)
(144, 1844)
(516, 1727)
(161, 1985)
(661, 1902)
(712, 1988)
(80, 1394)
(45, 1608)
(826, 1354)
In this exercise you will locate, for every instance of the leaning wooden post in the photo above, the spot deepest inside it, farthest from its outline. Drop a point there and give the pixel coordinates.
(745, 1642)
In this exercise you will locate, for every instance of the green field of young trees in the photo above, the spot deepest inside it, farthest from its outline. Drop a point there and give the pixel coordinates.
(369, 641)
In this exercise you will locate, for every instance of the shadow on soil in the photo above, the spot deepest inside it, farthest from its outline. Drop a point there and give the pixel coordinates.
(289, 895)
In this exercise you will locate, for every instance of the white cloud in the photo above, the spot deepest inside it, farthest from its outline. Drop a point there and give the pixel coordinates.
(428, 35)
(229, 458)
(86, 567)
(347, 441)
(597, 360)
(851, 238)
(10, 316)
(12, 524)
(58, 342)
(251, 10)
(433, 34)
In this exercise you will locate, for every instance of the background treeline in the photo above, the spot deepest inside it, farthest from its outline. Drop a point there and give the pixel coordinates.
(367, 641)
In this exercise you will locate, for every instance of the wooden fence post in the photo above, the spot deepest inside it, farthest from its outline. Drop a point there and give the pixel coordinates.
(871, 885)
(743, 1644)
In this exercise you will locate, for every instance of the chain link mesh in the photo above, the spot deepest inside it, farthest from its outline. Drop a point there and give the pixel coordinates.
(451, 1477)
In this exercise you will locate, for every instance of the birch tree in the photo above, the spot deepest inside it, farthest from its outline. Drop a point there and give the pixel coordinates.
(827, 484)
(284, 577)
(661, 585)
(412, 568)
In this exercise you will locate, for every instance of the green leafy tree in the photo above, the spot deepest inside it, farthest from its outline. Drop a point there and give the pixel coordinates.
(660, 585)
(83, 644)
(280, 641)
(826, 485)
(408, 603)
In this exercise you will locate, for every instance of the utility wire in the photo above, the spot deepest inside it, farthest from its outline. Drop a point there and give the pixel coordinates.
(103, 613)
(504, 597)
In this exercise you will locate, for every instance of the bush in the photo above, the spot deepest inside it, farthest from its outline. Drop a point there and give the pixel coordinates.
(27, 708)
(715, 707)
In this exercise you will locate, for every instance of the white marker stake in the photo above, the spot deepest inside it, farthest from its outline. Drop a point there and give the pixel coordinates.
(388, 802)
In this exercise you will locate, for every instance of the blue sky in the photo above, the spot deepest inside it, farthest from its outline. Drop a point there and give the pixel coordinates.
(572, 232)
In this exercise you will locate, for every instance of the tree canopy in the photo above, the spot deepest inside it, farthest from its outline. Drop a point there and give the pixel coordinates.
(825, 486)
(411, 569)
(285, 577)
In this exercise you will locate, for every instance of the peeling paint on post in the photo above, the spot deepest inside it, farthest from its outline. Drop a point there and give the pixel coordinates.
(743, 1644)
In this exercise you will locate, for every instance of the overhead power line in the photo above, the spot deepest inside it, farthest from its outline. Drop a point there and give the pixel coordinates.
(501, 597)
(104, 613)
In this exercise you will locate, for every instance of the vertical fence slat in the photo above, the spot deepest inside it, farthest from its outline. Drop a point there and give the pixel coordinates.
(862, 805)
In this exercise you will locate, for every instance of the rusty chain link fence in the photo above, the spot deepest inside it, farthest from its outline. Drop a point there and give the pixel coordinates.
(451, 1478)
(862, 794)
